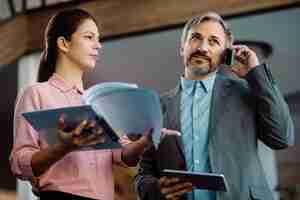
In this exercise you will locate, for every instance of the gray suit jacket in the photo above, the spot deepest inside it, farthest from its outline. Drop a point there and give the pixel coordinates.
(242, 111)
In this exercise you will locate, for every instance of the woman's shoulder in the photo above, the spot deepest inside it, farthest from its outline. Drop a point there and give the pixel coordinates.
(38, 87)
(34, 90)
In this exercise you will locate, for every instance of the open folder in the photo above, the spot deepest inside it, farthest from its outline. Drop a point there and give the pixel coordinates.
(199, 180)
(120, 108)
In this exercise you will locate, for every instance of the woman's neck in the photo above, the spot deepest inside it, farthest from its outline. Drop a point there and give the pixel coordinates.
(72, 75)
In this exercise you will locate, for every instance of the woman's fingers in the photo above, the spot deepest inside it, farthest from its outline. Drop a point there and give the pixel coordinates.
(79, 128)
(94, 137)
(165, 132)
(148, 132)
(124, 140)
(61, 122)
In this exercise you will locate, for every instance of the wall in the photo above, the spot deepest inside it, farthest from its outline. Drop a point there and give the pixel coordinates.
(8, 88)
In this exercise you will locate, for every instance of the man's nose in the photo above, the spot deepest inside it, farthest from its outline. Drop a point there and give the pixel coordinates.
(203, 46)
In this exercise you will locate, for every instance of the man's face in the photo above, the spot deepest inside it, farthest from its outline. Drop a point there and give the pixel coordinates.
(203, 49)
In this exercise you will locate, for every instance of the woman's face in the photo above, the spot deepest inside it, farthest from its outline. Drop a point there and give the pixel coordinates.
(83, 49)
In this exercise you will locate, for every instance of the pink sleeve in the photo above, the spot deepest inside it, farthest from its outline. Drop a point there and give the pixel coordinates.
(26, 141)
(117, 157)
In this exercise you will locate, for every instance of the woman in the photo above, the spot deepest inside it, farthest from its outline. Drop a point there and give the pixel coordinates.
(59, 171)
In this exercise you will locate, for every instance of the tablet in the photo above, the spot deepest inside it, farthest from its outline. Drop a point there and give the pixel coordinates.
(200, 180)
(45, 122)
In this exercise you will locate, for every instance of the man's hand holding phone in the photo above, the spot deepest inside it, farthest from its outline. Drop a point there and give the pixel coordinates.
(247, 57)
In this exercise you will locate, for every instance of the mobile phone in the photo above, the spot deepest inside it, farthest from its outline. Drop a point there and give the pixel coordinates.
(229, 57)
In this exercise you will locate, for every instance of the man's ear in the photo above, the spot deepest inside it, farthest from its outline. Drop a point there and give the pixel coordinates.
(63, 44)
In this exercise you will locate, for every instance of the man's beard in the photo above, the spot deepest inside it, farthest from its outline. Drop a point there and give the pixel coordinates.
(199, 64)
(199, 71)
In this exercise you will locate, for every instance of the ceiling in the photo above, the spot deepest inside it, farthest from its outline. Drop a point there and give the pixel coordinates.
(152, 59)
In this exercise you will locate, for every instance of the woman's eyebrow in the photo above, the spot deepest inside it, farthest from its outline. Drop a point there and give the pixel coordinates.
(90, 32)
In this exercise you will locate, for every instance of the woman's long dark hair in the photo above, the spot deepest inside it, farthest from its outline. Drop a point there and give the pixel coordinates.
(63, 24)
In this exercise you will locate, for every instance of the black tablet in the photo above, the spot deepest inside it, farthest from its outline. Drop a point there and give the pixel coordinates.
(207, 181)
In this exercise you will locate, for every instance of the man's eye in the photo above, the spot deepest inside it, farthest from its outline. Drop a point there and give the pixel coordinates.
(195, 37)
(89, 37)
(214, 41)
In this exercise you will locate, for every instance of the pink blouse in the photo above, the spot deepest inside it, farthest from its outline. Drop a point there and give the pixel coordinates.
(84, 173)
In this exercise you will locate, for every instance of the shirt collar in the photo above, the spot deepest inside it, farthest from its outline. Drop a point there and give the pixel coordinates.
(189, 85)
(60, 83)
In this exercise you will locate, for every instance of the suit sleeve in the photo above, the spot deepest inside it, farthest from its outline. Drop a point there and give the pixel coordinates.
(147, 179)
(274, 123)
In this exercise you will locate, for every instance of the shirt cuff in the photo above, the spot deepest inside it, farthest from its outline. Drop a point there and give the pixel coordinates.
(117, 157)
(24, 164)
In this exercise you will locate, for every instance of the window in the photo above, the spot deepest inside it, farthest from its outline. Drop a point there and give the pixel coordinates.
(9, 8)
(5, 11)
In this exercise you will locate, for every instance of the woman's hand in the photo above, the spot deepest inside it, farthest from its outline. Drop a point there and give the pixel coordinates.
(135, 145)
(164, 132)
(84, 134)
(70, 138)
(125, 140)
(133, 149)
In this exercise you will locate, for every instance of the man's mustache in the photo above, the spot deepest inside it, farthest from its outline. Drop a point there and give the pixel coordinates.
(200, 54)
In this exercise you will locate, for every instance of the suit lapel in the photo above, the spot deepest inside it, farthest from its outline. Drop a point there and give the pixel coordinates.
(219, 102)
(174, 115)
(221, 90)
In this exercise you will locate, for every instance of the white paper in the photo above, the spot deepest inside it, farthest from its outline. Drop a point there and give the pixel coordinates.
(127, 109)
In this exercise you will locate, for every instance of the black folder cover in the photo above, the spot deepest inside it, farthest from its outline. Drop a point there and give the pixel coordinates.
(208, 181)
(46, 122)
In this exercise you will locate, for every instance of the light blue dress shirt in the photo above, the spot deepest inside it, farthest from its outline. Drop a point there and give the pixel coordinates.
(195, 111)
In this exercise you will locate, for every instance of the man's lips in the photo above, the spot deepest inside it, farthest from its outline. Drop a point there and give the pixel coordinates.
(199, 58)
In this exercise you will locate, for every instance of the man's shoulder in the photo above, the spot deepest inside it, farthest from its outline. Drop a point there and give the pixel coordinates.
(234, 81)
(170, 93)
(167, 97)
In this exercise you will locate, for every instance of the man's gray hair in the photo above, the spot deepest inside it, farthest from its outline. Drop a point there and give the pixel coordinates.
(209, 16)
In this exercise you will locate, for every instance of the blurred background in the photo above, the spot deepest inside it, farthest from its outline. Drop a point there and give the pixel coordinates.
(141, 45)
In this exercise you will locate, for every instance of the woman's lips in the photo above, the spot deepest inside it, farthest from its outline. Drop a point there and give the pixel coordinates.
(95, 57)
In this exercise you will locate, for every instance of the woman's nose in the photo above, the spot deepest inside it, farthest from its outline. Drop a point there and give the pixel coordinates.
(98, 45)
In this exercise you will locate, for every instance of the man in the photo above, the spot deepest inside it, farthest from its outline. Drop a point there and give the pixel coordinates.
(221, 113)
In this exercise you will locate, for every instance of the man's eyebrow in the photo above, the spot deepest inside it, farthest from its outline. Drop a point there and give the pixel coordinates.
(215, 37)
(196, 34)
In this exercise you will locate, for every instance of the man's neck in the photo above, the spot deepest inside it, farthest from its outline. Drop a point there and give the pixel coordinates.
(198, 77)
